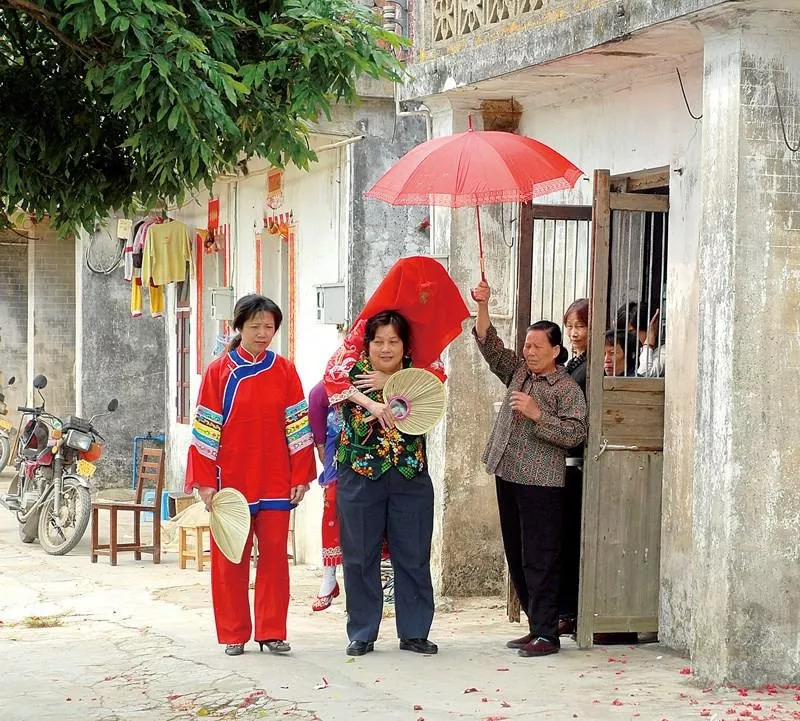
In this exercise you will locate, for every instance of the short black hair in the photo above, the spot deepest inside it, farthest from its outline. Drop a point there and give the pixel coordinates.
(632, 314)
(392, 318)
(629, 344)
(553, 333)
(248, 306)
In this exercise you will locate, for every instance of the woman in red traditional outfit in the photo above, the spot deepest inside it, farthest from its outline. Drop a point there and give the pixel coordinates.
(251, 433)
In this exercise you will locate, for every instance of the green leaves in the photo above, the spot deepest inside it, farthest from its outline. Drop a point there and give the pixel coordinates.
(145, 99)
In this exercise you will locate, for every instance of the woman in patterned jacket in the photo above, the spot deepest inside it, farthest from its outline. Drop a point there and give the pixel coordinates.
(544, 415)
(251, 432)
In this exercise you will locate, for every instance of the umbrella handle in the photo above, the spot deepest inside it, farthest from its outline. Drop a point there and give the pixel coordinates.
(480, 242)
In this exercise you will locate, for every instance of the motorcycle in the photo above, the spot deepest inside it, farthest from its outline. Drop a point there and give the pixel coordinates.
(55, 461)
(5, 429)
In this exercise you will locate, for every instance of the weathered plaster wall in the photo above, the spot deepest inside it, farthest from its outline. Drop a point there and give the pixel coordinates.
(746, 500)
(14, 320)
(559, 29)
(380, 233)
(123, 358)
(467, 553)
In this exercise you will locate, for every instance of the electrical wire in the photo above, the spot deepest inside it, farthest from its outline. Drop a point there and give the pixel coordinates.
(783, 123)
(685, 99)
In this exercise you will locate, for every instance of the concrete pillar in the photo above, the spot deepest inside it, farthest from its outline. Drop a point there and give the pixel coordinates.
(747, 452)
(467, 553)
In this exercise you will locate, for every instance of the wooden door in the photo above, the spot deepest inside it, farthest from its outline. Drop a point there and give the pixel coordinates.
(622, 471)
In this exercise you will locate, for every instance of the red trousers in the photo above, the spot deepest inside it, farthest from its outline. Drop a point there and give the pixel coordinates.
(230, 584)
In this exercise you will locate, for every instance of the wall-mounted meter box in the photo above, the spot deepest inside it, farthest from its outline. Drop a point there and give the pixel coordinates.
(222, 302)
(331, 303)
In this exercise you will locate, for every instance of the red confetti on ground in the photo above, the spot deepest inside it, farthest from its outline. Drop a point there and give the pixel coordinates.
(685, 671)
(471, 689)
(496, 718)
(69, 698)
(484, 699)
(505, 704)
(731, 711)
(746, 712)
(616, 702)
(502, 669)
(417, 707)
(705, 712)
(173, 696)
(743, 692)
(755, 706)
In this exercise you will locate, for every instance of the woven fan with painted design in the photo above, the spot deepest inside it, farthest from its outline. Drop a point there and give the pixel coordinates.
(230, 523)
(417, 399)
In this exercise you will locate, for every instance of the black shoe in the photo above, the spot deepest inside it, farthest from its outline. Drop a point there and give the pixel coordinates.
(567, 625)
(418, 645)
(359, 648)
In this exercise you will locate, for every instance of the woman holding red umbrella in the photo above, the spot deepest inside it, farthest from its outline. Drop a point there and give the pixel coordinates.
(544, 415)
(384, 486)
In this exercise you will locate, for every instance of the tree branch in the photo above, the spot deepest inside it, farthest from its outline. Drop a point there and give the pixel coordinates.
(44, 18)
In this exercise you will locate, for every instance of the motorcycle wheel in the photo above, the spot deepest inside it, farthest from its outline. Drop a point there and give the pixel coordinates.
(59, 534)
(5, 451)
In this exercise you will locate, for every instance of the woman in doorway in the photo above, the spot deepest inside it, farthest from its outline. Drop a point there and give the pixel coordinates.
(326, 425)
(619, 358)
(576, 328)
(251, 432)
(543, 415)
(384, 487)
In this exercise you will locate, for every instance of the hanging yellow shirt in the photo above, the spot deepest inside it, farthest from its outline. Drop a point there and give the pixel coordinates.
(167, 250)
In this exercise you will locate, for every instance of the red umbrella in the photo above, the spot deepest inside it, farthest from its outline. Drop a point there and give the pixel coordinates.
(474, 168)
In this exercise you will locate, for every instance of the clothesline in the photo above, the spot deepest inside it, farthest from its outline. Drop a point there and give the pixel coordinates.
(159, 252)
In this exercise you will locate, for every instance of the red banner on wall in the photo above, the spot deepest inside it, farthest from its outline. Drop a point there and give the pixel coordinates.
(213, 214)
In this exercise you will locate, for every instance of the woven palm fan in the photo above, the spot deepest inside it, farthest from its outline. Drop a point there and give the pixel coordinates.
(230, 523)
(417, 399)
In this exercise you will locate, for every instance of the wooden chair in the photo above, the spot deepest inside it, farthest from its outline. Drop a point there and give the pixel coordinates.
(151, 470)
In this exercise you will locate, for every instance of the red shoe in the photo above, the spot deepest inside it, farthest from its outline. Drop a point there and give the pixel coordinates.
(540, 647)
(519, 642)
(323, 602)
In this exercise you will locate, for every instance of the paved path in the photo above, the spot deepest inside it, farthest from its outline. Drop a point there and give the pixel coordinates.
(137, 642)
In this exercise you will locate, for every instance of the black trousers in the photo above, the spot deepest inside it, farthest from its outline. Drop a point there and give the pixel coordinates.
(531, 519)
(571, 544)
(403, 509)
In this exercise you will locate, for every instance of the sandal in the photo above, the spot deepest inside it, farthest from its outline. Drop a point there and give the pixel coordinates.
(274, 646)
(234, 649)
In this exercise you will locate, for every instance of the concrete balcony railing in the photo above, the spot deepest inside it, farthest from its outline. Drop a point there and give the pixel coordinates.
(443, 24)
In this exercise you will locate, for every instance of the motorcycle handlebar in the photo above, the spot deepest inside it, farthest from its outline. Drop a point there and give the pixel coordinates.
(23, 409)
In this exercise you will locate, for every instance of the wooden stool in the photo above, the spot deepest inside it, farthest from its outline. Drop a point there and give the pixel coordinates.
(195, 554)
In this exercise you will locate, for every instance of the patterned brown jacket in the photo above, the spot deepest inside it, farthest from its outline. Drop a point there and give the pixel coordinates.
(521, 450)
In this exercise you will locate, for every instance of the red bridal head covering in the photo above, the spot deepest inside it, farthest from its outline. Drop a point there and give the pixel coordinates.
(420, 289)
